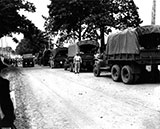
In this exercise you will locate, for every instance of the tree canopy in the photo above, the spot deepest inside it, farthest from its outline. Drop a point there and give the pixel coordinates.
(87, 16)
(34, 41)
(11, 20)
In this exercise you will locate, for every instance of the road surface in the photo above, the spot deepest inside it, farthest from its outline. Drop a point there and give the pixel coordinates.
(58, 99)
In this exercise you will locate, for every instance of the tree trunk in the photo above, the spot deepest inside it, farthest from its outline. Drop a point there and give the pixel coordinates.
(102, 39)
(80, 30)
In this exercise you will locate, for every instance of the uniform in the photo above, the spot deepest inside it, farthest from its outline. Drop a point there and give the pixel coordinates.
(77, 62)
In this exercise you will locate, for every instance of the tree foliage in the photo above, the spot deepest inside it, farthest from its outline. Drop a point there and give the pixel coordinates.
(88, 16)
(67, 15)
(11, 20)
(33, 42)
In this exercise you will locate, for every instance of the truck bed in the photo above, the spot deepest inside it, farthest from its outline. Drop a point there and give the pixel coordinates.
(144, 57)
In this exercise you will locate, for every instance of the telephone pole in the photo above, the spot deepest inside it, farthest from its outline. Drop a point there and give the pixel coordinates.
(153, 17)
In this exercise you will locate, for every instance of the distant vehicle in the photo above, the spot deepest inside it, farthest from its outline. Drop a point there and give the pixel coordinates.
(28, 60)
(58, 57)
(87, 49)
(131, 54)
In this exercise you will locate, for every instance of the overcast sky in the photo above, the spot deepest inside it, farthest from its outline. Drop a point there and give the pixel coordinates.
(144, 6)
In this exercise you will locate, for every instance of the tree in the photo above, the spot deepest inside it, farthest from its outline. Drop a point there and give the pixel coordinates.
(24, 47)
(67, 15)
(33, 41)
(11, 20)
(88, 16)
(118, 14)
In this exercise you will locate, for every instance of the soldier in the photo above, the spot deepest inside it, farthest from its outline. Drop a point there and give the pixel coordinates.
(77, 62)
(7, 116)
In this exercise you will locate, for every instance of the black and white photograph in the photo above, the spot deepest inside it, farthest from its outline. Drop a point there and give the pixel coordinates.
(79, 64)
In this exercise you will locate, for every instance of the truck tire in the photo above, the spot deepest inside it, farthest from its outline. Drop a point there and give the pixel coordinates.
(127, 75)
(96, 71)
(116, 73)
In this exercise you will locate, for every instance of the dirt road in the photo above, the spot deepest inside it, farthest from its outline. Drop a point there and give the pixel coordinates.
(58, 99)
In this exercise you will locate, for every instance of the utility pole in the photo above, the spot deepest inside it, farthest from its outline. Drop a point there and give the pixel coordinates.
(153, 17)
(1, 46)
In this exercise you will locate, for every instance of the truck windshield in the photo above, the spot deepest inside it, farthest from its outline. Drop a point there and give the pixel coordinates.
(62, 54)
(150, 41)
(90, 49)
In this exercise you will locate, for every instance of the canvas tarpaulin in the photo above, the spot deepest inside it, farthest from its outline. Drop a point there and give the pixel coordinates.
(148, 29)
(75, 48)
(87, 42)
(124, 42)
(149, 36)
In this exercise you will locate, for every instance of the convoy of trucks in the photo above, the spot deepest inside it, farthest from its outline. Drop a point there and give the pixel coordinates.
(87, 49)
(131, 54)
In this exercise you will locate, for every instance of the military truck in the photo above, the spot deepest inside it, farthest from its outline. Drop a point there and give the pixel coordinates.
(28, 60)
(86, 49)
(58, 57)
(45, 57)
(131, 54)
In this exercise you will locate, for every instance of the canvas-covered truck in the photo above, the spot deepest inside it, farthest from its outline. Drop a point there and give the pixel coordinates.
(58, 57)
(131, 54)
(86, 49)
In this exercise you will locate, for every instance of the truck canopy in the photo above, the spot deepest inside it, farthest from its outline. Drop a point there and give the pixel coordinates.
(88, 42)
(130, 41)
(24, 56)
(86, 46)
(149, 36)
(122, 43)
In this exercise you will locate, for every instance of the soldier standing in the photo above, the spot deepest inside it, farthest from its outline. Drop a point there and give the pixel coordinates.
(77, 62)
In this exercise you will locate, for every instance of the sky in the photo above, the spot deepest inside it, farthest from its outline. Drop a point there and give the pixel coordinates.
(145, 7)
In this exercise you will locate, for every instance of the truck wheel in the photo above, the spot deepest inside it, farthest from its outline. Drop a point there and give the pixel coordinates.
(116, 73)
(126, 75)
(96, 72)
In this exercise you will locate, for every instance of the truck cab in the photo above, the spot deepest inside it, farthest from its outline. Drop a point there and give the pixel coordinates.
(87, 49)
(28, 60)
(58, 57)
